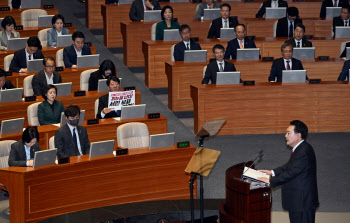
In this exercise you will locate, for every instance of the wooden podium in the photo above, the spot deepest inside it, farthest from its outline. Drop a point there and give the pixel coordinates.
(242, 204)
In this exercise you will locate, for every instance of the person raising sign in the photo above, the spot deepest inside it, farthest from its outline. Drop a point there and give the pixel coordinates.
(113, 84)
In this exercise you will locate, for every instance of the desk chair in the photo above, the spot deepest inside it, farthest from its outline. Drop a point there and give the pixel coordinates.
(52, 142)
(7, 62)
(153, 31)
(32, 114)
(27, 86)
(172, 52)
(59, 58)
(274, 28)
(84, 79)
(133, 135)
(96, 106)
(42, 35)
(342, 46)
(30, 17)
(204, 70)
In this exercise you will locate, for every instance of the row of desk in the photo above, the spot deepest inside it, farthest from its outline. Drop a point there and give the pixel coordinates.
(16, 14)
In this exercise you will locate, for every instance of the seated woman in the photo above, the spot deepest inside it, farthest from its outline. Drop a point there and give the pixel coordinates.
(8, 24)
(167, 23)
(49, 111)
(22, 152)
(57, 30)
(106, 70)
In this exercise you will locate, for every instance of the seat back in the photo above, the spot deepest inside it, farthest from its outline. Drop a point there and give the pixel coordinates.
(133, 135)
(7, 62)
(342, 46)
(153, 31)
(42, 35)
(30, 17)
(59, 58)
(52, 142)
(32, 113)
(27, 86)
(84, 79)
(274, 28)
(96, 106)
(172, 52)
(5, 148)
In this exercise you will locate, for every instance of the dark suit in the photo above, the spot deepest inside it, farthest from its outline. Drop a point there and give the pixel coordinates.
(278, 67)
(343, 54)
(103, 103)
(18, 155)
(345, 71)
(268, 3)
(48, 115)
(299, 182)
(283, 26)
(232, 46)
(93, 80)
(65, 145)
(337, 21)
(39, 81)
(305, 43)
(179, 49)
(212, 69)
(70, 56)
(19, 60)
(216, 25)
(8, 85)
(329, 3)
(137, 10)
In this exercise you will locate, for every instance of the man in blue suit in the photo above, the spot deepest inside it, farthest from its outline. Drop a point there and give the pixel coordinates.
(78, 48)
(186, 44)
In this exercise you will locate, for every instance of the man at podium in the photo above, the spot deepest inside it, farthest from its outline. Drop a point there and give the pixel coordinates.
(298, 176)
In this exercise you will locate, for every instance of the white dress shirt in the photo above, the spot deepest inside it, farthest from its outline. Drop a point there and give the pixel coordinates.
(296, 43)
(27, 149)
(274, 4)
(289, 22)
(223, 64)
(49, 80)
(290, 63)
(239, 42)
(76, 133)
(227, 23)
(189, 44)
(78, 52)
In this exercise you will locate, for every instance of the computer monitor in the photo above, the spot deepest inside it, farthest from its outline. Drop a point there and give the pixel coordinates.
(195, 56)
(304, 53)
(64, 40)
(123, 2)
(12, 126)
(211, 14)
(342, 32)
(333, 12)
(101, 148)
(16, 43)
(293, 76)
(11, 95)
(35, 65)
(88, 61)
(227, 33)
(172, 35)
(133, 111)
(225, 78)
(275, 13)
(45, 21)
(248, 54)
(152, 16)
(64, 89)
(81, 118)
(44, 157)
(31, 4)
(162, 140)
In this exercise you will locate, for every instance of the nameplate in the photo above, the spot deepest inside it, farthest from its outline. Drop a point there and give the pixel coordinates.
(92, 121)
(315, 81)
(19, 27)
(79, 93)
(248, 83)
(248, 0)
(121, 151)
(4, 8)
(323, 58)
(67, 24)
(183, 144)
(7, 73)
(30, 98)
(153, 115)
(130, 88)
(59, 68)
(88, 44)
(299, 0)
(308, 36)
(195, 39)
(63, 160)
(267, 59)
(49, 6)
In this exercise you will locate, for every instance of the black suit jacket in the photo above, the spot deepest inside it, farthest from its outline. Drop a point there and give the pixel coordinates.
(19, 60)
(18, 156)
(8, 85)
(65, 145)
(39, 81)
(278, 67)
(232, 46)
(337, 21)
(343, 54)
(305, 43)
(345, 71)
(283, 27)
(216, 25)
(137, 10)
(179, 49)
(103, 103)
(70, 56)
(262, 10)
(212, 69)
(298, 179)
(329, 3)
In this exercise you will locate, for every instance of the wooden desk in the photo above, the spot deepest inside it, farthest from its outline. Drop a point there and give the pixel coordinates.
(268, 108)
(33, 31)
(181, 75)
(142, 175)
(16, 14)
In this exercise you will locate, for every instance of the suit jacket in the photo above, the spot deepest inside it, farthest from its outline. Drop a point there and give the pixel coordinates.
(305, 43)
(201, 7)
(161, 26)
(48, 116)
(3, 39)
(8, 85)
(343, 54)
(283, 27)
(212, 69)
(179, 49)
(298, 179)
(344, 75)
(329, 3)
(232, 46)
(278, 67)
(18, 156)
(39, 81)
(137, 10)
(103, 103)
(262, 10)
(19, 60)
(70, 56)
(52, 36)
(216, 25)
(65, 145)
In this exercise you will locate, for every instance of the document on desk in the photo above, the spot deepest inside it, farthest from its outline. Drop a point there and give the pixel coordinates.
(253, 175)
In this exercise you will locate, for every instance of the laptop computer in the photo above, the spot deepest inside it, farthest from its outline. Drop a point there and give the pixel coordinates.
(304, 53)
(88, 61)
(64, 89)
(152, 16)
(342, 32)
(133, 111)
(227, 33)
(45, 20)
(102, 85)
(64, 40)
(12, 126)
(333, 12)
(121, 2)
(225, 78)
(293, 76)
(81, 118)
(101, 148)
(248, 54)
(348, 53)
(35, 65)
(195, 56)
(162, 140)
(172, 35)
(275, 13)
(211, 14)
(44, 157)
(16, 43)
(11, 95)
(30, 4)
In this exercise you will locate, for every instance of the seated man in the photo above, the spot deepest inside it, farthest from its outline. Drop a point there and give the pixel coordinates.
(72, 139)
(298, 40)
(4, 84)
(332, 3)
(286, 62)
(225, 21)
(218, 65)
(186, 44)
(46, 76)
(285, 25)
(78, 48)
(138, 7)
(241, 42)
(113, 84)
(270, 4)
(30, 52)
(344, 75)
(342, 20)
(208, 4)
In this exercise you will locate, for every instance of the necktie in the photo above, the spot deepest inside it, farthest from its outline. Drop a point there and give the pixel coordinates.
(335, 3)
(241, 44)
(29, 57)
(75, 138)
(225, 26)
(346, 23)
(221, 68)
(187, 46)
(298, 44)
(291, 30)
(288, 67)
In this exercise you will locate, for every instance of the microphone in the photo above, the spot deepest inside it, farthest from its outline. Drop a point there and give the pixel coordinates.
(258, 156)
